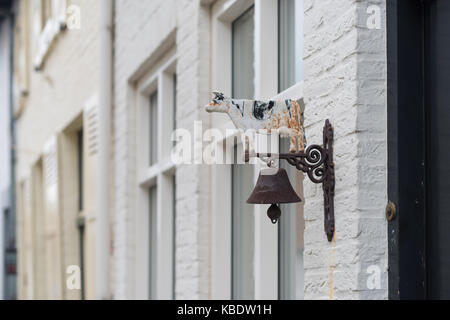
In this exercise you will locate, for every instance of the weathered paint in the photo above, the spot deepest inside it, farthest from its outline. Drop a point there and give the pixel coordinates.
(332, 266)
(285, 117)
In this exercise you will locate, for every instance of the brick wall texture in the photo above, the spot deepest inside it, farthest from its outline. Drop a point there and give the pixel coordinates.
(140, 29)
(345, 81)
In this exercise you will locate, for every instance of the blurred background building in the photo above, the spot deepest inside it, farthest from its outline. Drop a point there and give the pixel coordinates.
(7, 209)
(98, 89)
(92, 205)
(55, 106)
(91, 92)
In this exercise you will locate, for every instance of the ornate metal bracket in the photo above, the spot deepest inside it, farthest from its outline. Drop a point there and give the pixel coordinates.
(317, 163)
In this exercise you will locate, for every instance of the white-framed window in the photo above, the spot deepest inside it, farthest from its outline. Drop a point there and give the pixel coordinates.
(242, 176)
(155, 211)
(290, 39)
(290, 77)
(272, 57)
(52, 20)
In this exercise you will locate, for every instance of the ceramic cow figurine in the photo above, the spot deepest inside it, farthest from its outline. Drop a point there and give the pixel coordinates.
(282, 116)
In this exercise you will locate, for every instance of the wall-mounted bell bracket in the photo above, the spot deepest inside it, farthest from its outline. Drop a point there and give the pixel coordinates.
(317, 163)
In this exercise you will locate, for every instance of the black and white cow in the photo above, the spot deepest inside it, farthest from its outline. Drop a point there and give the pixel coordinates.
(282, 116)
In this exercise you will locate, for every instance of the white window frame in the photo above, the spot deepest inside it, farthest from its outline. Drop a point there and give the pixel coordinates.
(160, 174)
(52, 27)
(224, 12)
(293, 92)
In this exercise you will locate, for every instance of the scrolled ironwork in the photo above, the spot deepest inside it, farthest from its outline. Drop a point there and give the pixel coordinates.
(310, 162)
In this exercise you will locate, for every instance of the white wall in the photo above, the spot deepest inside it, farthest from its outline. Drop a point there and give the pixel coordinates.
(60, 90)
(58, 93)
(345, 81)
(143, 31)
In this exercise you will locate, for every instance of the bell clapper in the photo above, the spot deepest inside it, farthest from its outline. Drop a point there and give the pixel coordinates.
(274, 213)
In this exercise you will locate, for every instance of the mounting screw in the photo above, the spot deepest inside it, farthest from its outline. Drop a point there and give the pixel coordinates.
(391, 211)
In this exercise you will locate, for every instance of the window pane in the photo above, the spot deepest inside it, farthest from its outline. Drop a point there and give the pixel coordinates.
(81, 220)
(243, 56)
(243, 233)
(174, 105)
(291, 237)
(80, 169)
(174, 101)
(242, 175)
(152, 241)
(153, 121)
(290, 35)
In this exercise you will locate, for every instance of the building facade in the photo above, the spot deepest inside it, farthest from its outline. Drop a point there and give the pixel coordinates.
(55, 106)
(116, 193)
(165, 230)
(184, 231)
(7, 244)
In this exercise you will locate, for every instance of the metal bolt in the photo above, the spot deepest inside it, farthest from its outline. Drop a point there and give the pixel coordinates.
(391, 211)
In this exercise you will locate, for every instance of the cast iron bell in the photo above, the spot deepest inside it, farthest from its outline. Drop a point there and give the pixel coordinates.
(273, 187)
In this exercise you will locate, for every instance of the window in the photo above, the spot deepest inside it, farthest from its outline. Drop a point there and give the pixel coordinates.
(243, 55)
(291, 225)
(242, 175)
(290, 39)
(81, 219)
(244, 65)
(52, 20)
(152, 197)
(242, 227)
(256, 53)
(153, 132)
(156, 189)
(80, 168)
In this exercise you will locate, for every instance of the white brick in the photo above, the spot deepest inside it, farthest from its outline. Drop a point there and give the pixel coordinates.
(141, 26)
(345, 81)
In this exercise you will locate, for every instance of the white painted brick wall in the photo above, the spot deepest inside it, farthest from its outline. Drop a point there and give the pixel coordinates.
(141, 27)
(57, 96)
(58, 92)
(345, 81)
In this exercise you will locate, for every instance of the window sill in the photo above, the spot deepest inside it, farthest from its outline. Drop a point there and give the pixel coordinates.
(294, 92)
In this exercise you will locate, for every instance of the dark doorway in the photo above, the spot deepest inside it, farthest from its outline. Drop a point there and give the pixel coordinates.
(437, 104)
(419, 148)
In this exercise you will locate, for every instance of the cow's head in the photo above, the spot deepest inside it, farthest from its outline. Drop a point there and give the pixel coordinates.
(219, 103)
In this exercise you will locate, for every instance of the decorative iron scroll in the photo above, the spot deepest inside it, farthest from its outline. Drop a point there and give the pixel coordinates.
(317, 163)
